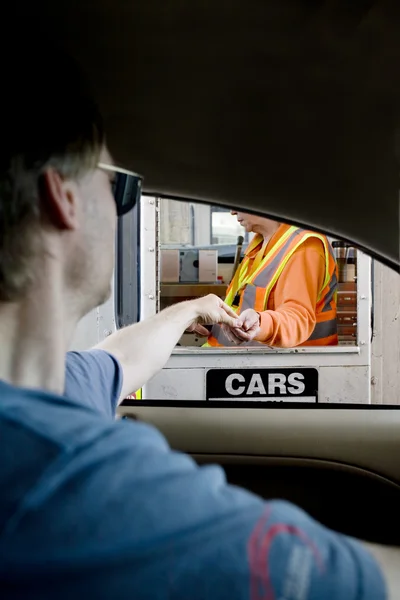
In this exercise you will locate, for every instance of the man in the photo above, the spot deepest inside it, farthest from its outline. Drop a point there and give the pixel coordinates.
(90, 506)
(284, 290)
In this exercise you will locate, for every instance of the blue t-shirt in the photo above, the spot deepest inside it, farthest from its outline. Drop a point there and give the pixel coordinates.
(97, 508)
(94, 378)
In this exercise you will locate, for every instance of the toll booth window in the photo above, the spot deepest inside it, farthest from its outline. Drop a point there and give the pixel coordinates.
(169, 251)
(203, 248)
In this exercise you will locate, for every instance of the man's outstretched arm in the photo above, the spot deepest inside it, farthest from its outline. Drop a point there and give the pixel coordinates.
(143, 349)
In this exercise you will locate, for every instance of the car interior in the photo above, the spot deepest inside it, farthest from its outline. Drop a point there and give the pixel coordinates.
(289, 110)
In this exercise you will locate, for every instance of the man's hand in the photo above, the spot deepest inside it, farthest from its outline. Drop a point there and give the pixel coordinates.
(245, 329)
(212, 310)
(199, 329)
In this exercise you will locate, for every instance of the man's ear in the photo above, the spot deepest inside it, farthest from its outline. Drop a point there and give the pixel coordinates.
(59, 200)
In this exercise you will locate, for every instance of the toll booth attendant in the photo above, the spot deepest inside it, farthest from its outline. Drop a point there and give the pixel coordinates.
(285, 289)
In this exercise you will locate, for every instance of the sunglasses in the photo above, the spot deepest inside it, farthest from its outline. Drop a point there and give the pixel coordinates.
(126, 187)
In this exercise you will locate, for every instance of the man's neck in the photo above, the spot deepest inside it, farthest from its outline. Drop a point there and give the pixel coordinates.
(35, 335)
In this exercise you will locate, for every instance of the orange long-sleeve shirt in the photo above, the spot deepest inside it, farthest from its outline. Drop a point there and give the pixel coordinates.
(290, 316)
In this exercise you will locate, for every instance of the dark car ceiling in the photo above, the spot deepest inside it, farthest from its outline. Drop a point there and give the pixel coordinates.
(287, 107)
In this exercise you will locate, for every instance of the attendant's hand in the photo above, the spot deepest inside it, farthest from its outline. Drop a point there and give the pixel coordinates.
(249, 328)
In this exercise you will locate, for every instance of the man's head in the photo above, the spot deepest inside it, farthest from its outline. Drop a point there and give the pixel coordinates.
(56, 204)
(255, 224)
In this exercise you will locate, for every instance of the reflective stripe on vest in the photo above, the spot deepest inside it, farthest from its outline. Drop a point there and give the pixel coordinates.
(258, 285)
(241, 279)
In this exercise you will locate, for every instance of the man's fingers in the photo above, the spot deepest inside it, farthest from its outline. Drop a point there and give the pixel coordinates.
(201, 330)
(230, 321)
(229, 311)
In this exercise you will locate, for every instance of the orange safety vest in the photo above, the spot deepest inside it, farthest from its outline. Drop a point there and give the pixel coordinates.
(255, 287)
